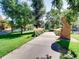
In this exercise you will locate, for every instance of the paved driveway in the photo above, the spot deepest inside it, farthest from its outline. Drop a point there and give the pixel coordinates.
(38, 47)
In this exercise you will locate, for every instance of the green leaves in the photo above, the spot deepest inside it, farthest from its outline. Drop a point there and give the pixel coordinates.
(38, 10)
(20, 13)
(74, 4)
(57, 3)
(54, 12)
(71, 16)
(71, 12)
(8, 7)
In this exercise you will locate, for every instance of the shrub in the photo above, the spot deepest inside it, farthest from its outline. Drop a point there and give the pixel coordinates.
(57, 31)
(30, 27)
(38, 31)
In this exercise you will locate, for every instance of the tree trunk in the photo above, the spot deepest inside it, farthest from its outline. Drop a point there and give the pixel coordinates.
(24, 28)
(12, 29)
(12, 25)
(37, 25)
(65, 31)
(21, 30)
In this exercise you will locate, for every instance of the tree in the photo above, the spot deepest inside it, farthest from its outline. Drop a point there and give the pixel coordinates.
(74, 5)
(12, 25)
(70, 15)
(8, 8)
(49, 21)
(54, 13)
(18, 12)
(38, 11)
(24, 16)
(48, 25)
(1, 25)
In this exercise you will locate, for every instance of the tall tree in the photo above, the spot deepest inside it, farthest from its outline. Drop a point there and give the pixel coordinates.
(54, 13)
(38, 11)
(73, 7)
(23, 16)
(8, 7)
(18, 12)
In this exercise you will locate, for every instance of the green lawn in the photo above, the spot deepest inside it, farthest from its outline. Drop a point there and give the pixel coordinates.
(12, 41)
(75, 46)
(75, 36)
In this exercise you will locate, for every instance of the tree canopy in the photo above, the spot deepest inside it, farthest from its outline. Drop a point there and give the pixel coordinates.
(72, 10)
(20, 13)
(38, 10)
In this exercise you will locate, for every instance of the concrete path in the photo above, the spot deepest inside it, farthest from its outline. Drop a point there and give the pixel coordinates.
(38, 47)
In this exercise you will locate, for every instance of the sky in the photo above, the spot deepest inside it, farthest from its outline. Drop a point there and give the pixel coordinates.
(47, 4)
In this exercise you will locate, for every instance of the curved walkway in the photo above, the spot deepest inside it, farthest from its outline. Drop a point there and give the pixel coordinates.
(38, 47)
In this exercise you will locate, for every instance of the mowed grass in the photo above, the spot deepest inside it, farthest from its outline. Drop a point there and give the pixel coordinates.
(12, 41)
(75, 36)
(75, 46)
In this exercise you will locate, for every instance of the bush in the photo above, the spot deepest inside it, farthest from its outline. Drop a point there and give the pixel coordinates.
(30, 27)
(57, 31)
(38, 31)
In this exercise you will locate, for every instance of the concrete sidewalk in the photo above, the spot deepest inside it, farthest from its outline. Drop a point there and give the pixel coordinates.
(38, 47)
